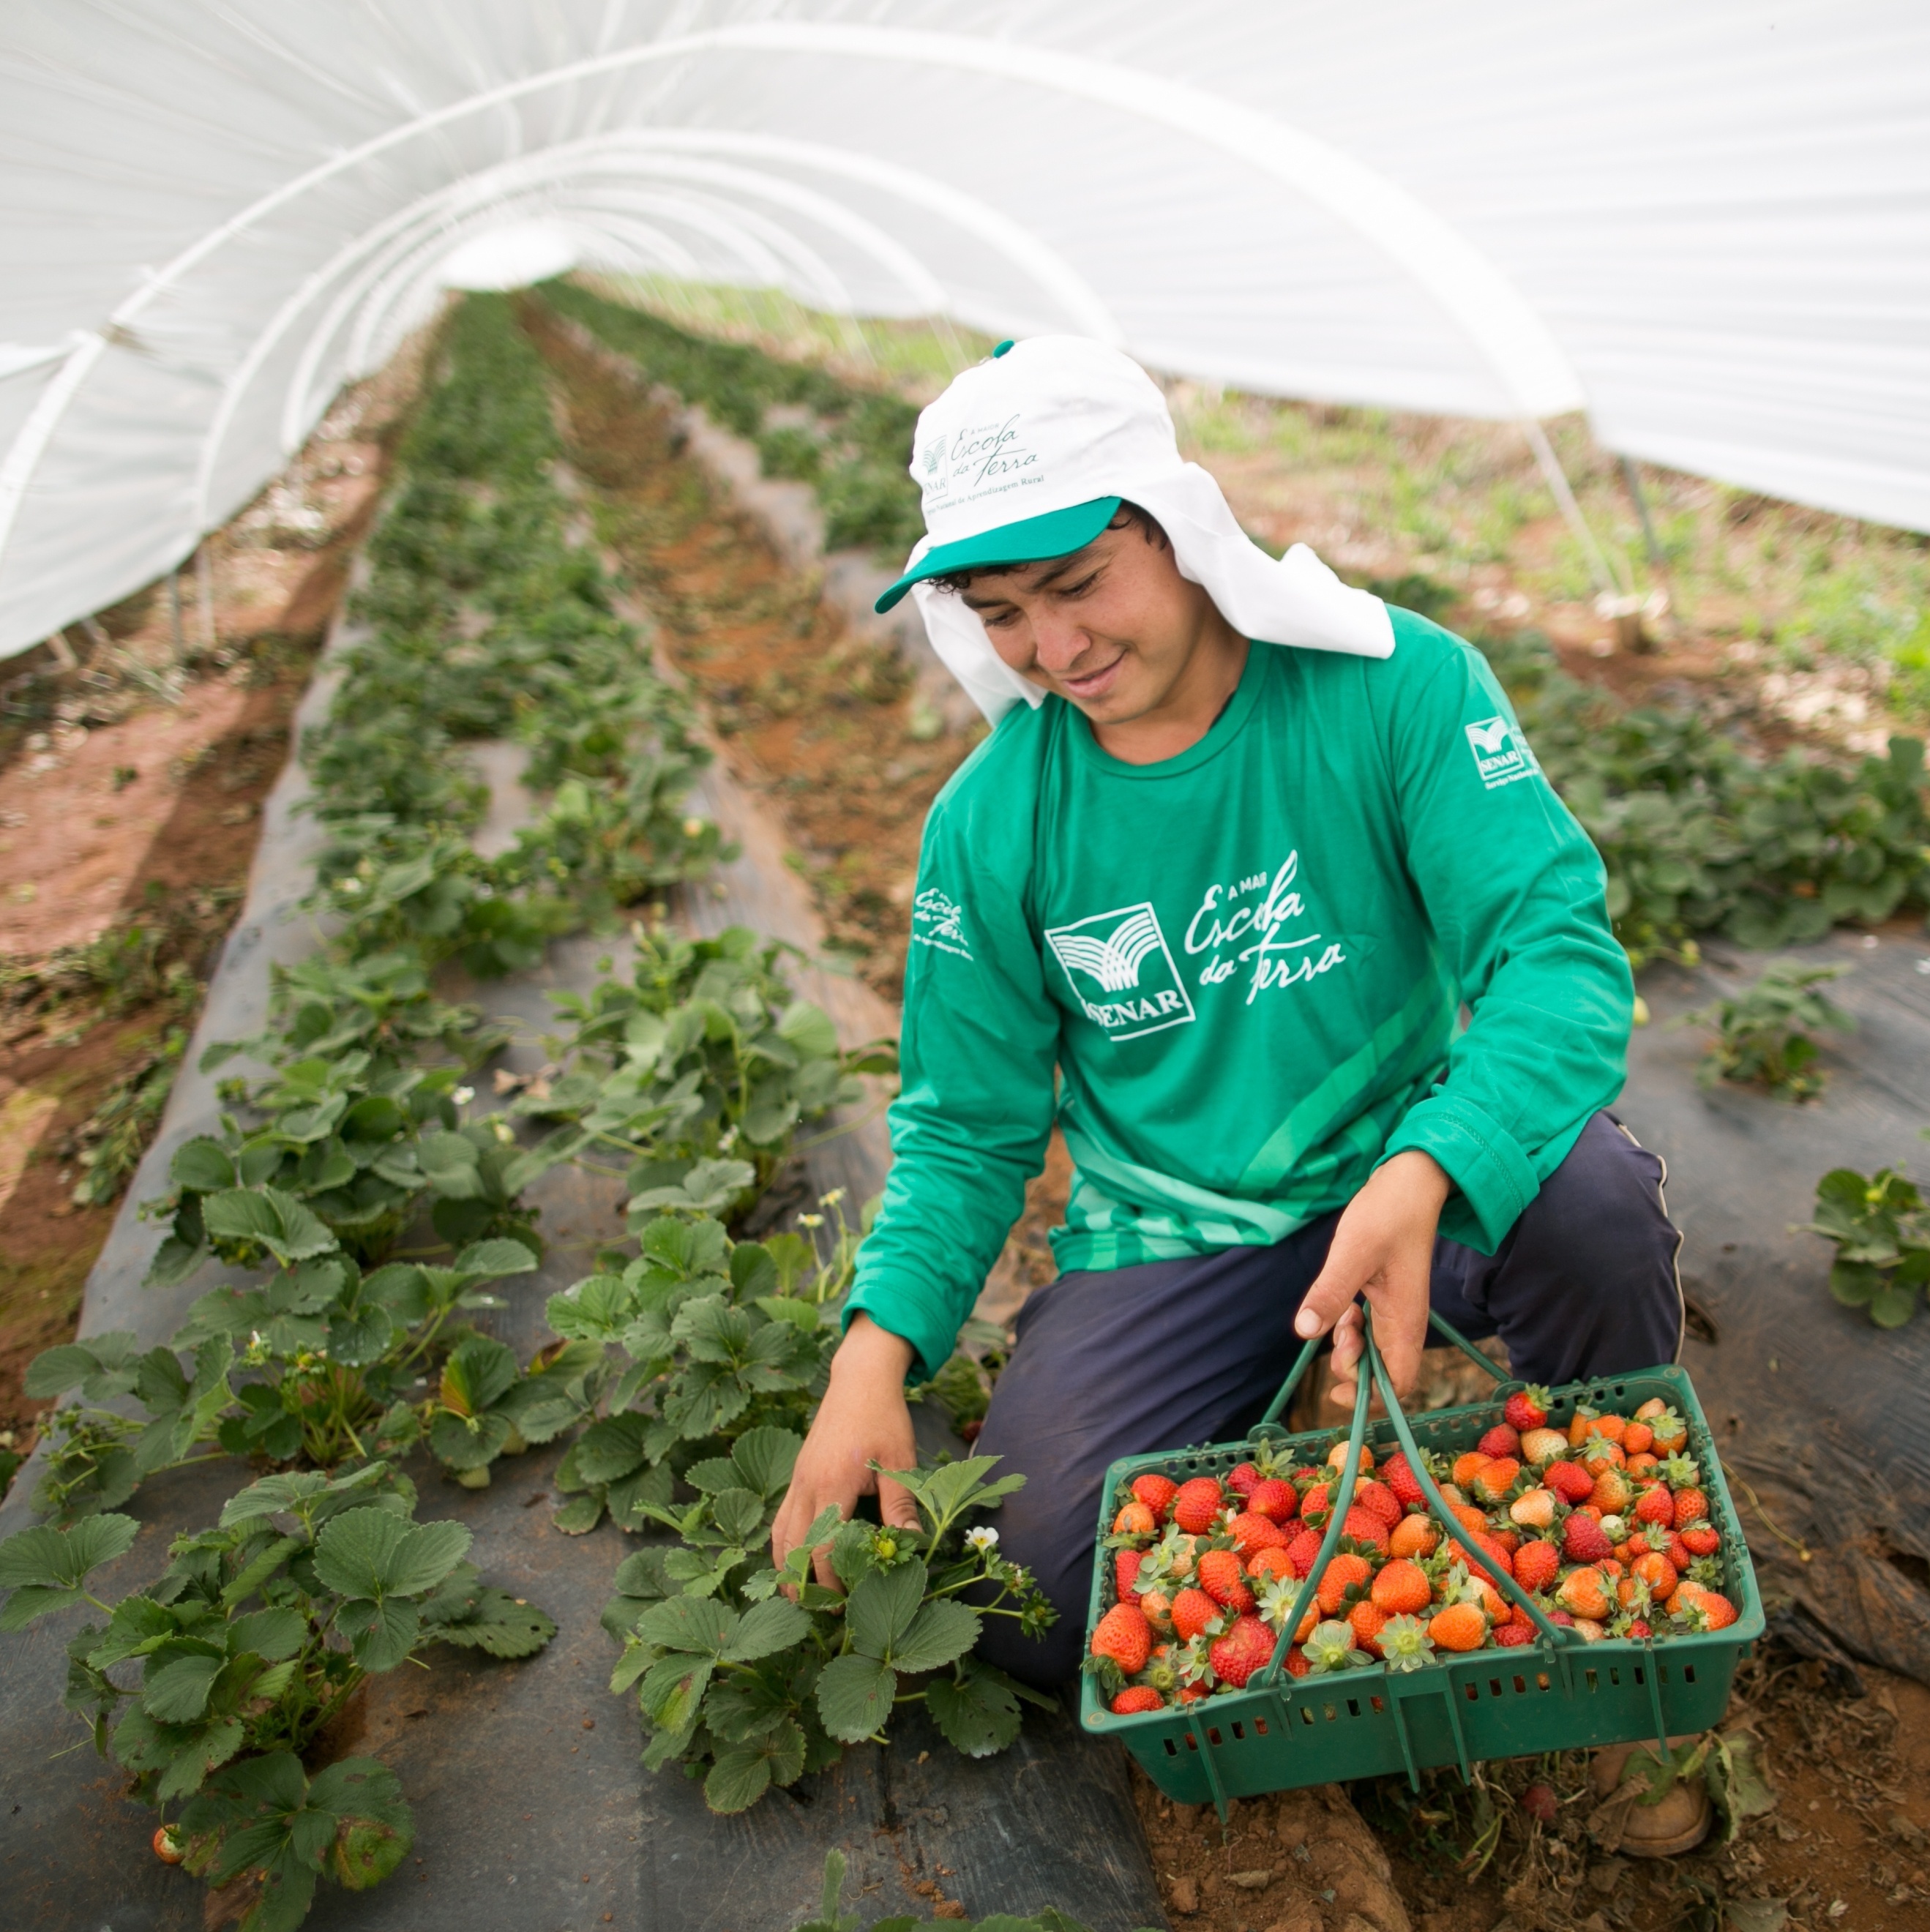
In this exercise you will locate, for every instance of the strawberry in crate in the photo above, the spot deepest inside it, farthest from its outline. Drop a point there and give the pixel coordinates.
(1604, 1524)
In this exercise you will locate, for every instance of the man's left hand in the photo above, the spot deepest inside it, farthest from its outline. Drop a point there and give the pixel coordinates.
(1383, 1248)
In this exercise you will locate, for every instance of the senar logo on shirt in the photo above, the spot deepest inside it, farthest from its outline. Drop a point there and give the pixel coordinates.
(1500, 755)
(1122, 971)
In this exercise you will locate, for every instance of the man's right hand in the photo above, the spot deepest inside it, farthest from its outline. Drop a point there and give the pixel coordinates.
(863, 1419)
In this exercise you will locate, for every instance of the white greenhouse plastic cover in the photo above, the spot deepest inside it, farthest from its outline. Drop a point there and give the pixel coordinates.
(1706, 223)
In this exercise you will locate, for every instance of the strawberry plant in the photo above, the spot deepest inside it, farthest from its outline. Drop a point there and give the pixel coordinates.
(761, 1687)
(1882, 1237)
(208, 1686)
(701, 1069)
(315, 1365)
(1763, 1036)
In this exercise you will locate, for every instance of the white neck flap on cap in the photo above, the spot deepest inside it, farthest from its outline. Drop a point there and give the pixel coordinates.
(1111, 437)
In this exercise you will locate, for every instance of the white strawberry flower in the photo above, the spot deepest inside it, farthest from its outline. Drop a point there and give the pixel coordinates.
(984, 1539)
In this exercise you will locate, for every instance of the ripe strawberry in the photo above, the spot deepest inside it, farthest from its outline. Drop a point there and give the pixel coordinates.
(1251, 1533)
(1342, 1573)
(1703, 1609)
(1659, 1573)
(1369, 1495)
(1275, 1500)
(1247, 1647)
(1670, 1430)
(1638, 1628)
(1243, 1479)
(1656, 1505)
(1194, 1693)
(1272, 1562)
(1297, 1665)
(1569, 1480)
(1611, 1493)
(1125, 1567)
(1582, 1591)
(1124, 1636)
(1137, 1697)
(1702, 1539)
(1636, 1438)
(1510, 1540)
(1679, 1552)
(1692, 1506)
(1542, 1445)
(1398, 1473)
(1537, 1565)
(1643, 1466)
(1364, 1526)
(1466, 1466)
(1610, 1428)
(1156, 1491)
(1583, 1540)
(1367, 1617)
(1498, 1558)
(1493, 1480)
(1527, 1409)
(1194, 1613)
(1512, 1636)
(1470, 1519)
(1315, 1505)
(1533, 1509)
(1157, 1607)
(1503, 1439)
(1414, 1536)
(1223, 1579)
(1134, 1519)
(1195, 1505)
(1459, 1627)
(1302, 1551)
(1401, 1588)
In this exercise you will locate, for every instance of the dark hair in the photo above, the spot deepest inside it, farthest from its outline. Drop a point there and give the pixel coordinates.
(1128, 514)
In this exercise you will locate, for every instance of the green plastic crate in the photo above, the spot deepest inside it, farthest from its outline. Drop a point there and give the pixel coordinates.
(1559, 1693)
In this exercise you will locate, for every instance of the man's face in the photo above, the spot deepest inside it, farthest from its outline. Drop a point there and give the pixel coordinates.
(1113, 627)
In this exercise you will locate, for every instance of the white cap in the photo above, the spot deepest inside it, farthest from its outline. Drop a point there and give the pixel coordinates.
(1027, 455)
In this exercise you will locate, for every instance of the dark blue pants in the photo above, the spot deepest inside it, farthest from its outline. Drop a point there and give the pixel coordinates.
(1122, 1361)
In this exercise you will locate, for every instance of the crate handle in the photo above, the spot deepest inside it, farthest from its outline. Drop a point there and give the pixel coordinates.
(1373, 1373)
(1337, 1517)
(1298, 1373)
(1550, 1633)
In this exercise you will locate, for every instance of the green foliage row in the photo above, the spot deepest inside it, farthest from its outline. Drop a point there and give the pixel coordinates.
(1700, 834)
(854, 450)
(687, 1369)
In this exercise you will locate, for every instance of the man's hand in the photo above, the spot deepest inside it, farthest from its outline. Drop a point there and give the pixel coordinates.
(1383, 1248)
(863, 1419)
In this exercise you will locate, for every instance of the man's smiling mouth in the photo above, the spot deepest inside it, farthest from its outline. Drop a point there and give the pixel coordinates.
(1094, 683)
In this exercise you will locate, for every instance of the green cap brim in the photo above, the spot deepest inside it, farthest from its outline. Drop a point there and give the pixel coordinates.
(1057, 533)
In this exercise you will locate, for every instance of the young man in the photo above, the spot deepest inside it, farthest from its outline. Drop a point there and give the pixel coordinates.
(1257, 890)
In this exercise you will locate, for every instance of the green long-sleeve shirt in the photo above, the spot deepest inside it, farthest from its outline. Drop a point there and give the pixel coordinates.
(1247, 963)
